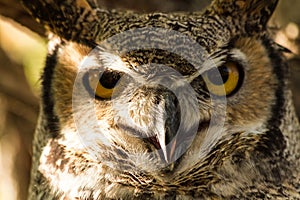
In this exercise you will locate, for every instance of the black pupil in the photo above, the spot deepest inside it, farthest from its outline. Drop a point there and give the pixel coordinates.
(214, 75)
(109, 79)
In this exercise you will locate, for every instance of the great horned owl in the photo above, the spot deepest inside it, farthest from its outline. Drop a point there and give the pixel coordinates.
(164, 106)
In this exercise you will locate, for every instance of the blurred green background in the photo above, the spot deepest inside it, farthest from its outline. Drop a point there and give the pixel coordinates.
(22, 54)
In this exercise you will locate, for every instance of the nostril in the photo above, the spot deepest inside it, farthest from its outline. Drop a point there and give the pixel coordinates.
(154, 141)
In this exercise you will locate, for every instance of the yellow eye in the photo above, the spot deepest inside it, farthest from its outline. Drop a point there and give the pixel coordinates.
(102, 92)
(104, 84)
(225, 80)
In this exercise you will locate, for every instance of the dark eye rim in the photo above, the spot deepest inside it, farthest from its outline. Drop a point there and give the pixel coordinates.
(86, 84)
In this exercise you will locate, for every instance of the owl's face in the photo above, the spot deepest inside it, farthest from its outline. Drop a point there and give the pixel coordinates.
(159, 95)
(156, 107)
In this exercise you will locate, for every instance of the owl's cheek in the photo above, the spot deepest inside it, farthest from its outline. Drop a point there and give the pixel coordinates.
(252, 105)
(65, 75)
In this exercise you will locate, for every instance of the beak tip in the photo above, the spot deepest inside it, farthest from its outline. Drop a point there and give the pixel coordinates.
(169, 151)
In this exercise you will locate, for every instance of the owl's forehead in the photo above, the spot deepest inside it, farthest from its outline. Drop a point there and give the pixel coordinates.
(182, 42)
(176, 29)
(155, 57)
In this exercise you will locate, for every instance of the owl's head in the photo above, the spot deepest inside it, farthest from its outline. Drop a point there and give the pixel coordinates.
(158, 95)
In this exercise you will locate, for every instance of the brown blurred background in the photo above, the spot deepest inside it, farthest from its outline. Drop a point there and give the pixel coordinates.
(23, 52)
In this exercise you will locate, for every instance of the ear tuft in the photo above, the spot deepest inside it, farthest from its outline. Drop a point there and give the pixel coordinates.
(66, 19)
(86, 4)
(252, 14)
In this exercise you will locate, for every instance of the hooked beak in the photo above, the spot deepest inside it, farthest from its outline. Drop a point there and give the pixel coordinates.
(167, 141)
